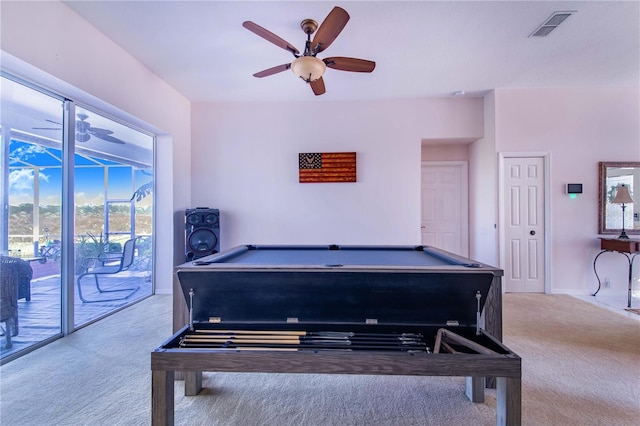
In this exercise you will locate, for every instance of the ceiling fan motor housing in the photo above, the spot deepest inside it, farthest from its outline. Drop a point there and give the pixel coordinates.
(309, 26)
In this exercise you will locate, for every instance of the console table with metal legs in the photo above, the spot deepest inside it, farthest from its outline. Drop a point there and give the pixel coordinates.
(629, 248)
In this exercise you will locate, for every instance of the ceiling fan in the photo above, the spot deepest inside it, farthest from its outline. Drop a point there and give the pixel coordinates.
(84, 131)
(307, 66)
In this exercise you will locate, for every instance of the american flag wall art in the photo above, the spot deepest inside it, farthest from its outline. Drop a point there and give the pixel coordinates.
(316, 167)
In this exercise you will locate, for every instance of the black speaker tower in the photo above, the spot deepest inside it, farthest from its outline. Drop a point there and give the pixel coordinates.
(202, 230)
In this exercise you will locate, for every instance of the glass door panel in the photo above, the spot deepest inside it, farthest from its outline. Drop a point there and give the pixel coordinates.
(119, 221)
(31, 188)
(111, 264)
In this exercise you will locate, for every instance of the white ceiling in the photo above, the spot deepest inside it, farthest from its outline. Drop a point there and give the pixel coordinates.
(422, 48)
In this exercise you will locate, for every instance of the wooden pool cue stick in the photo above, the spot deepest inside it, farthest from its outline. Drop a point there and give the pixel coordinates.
(244, 341)
(302, 332)
(309, 340)
(298, 340)
(250, 336)
(246, 348)
(243, 336)
(272, 332)
(306, 333)
(265, 341)
(187, 345)
(302, 338)
(292, 343)
(312, 339)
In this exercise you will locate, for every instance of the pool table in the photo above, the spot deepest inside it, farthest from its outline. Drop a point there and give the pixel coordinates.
(324, 261)
(370, 292)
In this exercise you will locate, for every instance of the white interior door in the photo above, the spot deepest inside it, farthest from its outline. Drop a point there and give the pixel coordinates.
(524, 224)
(445, 206)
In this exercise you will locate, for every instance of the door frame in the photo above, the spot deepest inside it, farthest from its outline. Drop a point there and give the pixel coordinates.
(464, 169)
(546, 157)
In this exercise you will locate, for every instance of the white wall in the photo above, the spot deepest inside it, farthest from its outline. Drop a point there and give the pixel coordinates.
(245, 162)
(48, 43)
(579, 127)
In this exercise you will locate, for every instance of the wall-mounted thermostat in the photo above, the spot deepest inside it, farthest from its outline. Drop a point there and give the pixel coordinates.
(574, 188)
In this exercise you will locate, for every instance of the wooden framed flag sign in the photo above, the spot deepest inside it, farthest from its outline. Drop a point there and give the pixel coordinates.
(327, 167)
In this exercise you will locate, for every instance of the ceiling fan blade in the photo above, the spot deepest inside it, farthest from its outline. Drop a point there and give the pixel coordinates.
(104, 134)
(318, 86)
(49, 128)
(271, 71)
(269, 36)
(329, 29)
(96, 131)
(349, 64)
(110, 139)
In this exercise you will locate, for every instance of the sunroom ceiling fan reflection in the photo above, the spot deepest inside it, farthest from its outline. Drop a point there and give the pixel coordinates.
(84, 131)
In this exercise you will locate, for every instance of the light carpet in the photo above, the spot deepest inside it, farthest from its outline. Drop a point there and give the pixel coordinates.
(580, 367)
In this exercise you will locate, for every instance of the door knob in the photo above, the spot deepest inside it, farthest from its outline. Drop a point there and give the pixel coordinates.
(532, 232)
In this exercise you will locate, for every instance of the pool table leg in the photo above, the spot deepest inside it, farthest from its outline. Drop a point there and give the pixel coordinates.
(192, 383)
(162, 398)
(474, 388)
(509, 401)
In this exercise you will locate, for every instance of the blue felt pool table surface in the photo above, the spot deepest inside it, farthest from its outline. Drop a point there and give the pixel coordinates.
(407, 256)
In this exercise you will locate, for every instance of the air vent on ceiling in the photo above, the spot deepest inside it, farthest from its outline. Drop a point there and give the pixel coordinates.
(552, 23)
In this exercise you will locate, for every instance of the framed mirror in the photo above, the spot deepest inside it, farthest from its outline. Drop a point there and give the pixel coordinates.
(612, 175)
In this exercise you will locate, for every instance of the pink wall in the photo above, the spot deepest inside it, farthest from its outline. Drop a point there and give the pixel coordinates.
(578, 127)
(245, 163)
(452, 152)
(483, 185)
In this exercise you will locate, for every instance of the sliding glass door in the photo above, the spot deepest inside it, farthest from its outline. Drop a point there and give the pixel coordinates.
(31, 190)
(77, 216)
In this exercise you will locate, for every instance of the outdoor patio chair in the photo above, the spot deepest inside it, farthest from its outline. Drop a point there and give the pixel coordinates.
(109, 264)
(14, 273)
(24, 283)
(51, 251)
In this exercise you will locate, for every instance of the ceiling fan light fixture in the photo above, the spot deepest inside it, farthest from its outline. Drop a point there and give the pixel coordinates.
(308, 68)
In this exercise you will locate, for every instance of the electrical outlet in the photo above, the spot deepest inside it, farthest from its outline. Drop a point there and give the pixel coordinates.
(607, 283)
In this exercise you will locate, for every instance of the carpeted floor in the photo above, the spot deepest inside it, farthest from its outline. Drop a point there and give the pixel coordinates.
(579, 361)
(580, 367)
